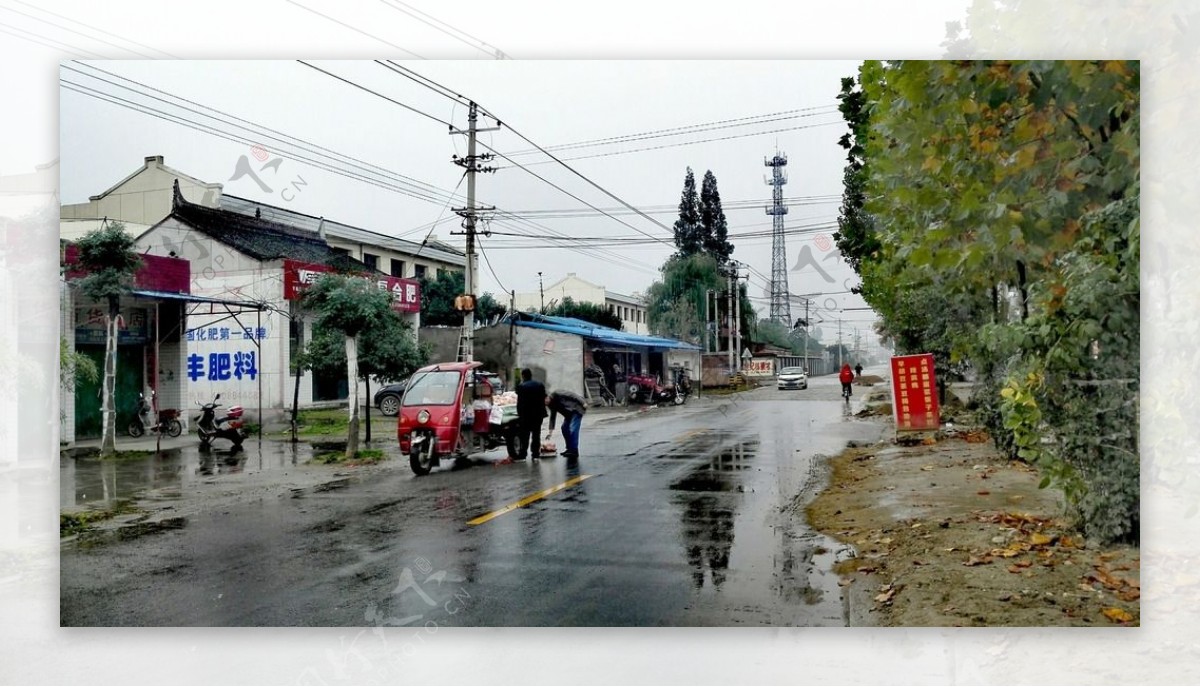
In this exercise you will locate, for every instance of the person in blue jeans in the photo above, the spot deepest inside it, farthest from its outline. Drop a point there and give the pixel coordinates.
(572, 408)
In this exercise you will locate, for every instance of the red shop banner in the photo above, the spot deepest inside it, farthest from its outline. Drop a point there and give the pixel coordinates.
(406, 293)
(914, 393)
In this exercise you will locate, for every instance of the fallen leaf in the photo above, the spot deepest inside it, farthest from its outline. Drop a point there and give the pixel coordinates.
(929, 441)
(867, 569)
(982, 560)
(1039, 539)
(983, 492)
(1006, 553)
(843, 582)
(885, 541)
(926, 468)
(1117, 615)
(886, 596)
(1129, 594)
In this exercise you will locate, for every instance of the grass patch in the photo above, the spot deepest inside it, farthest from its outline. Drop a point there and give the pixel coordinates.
(335, 422)
(367, 456)
(82, 521)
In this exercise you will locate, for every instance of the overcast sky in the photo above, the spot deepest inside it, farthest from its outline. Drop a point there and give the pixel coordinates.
(550, 102)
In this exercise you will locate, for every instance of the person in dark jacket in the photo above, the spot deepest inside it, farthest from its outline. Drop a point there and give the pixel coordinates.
(531, 408)
(572, 407)
(858, 371)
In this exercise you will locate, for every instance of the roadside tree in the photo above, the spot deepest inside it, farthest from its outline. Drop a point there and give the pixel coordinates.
(108, 262)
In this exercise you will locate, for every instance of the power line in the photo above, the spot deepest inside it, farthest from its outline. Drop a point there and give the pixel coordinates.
(417, 185)
(204, 128)
(97, 30)
(380, 95)
(685, 143)
(689, 129)
(543, 179)
(70, 30)
(496, 52)
(355, 29)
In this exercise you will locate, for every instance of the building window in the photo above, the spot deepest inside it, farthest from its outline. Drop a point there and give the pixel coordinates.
(419, 271)
(371, 260)
(340, 251)
(397, 268)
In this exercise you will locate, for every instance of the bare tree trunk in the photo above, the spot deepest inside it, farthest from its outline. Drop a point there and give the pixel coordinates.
(108, 440)
(352, 377)
(296, 401)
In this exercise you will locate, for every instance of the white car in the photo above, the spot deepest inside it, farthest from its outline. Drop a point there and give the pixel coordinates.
(792, 378)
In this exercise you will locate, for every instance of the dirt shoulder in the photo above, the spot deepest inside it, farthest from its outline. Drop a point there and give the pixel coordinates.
(951, 534)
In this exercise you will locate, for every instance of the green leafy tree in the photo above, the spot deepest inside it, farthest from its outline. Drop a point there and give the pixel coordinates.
(714, 230)
(689, 238)
(855, 237)
(675, 304)
(437, 301)
(588, 312)
(388, 351)
(108, 262)
(990, 208)
(349, 306)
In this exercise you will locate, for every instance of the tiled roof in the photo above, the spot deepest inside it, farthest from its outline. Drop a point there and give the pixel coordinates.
(260, 238)
(433, 249)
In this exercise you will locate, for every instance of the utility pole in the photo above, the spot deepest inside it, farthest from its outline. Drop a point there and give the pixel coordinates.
(806, 326)
(729, 318)
(839, 343)
(737, 312)
(471, 164)
(541, 292)
(707, 318)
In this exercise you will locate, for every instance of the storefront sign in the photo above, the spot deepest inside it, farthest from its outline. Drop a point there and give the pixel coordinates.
(406, 293)
(914, 397)
(90, 326)
(760, 367)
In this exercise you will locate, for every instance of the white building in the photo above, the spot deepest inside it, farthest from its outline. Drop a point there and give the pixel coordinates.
(631, 309)
(240, 250)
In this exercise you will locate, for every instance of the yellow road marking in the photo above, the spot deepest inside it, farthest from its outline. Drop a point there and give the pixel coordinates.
(528, 500)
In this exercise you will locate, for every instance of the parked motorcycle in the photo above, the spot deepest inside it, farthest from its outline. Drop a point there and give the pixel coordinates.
(168, 419)
(646, 389)
(229, 427)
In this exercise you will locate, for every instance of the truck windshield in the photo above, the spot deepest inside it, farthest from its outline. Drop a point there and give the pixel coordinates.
(437, 388)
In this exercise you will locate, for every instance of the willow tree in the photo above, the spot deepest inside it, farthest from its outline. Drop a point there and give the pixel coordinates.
(108, 263)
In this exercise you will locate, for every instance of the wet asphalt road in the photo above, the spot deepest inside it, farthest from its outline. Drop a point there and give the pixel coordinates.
(679, 516)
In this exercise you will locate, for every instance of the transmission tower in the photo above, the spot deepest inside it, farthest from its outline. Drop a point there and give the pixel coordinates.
(781, 307)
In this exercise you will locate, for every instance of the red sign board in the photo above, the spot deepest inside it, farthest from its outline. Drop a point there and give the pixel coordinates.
(406, 293)
(157, 273)
(915, 404)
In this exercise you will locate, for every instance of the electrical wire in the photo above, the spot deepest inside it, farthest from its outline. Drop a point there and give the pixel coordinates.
(498, 54)
(355, 29)
(203, 128)
(689, 129)
(97, 30)
(251, 126)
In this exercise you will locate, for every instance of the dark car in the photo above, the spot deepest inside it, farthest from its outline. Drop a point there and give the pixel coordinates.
(387, 399)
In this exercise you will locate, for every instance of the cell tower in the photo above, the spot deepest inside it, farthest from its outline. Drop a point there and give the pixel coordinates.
(781, 306)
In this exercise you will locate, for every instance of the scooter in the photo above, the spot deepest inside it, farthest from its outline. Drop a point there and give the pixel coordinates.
(168, 420)
(228, 427)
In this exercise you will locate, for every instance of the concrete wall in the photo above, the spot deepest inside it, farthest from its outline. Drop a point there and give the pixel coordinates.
(145, 197)
(555, 358)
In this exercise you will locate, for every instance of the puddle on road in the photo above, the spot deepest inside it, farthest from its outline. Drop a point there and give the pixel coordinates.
(85, 479)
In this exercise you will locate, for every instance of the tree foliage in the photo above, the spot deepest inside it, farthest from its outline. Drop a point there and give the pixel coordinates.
(109, 263)
(352, 307)
(714, 230)
(589, 312)
(675, 304)
(991, 211)
(437, 301)
(688, 237)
